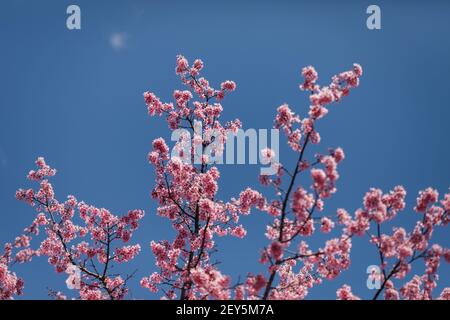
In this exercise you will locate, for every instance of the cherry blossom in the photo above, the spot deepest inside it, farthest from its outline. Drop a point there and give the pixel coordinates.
(308, 244)
(89, 241)
(345, 293)
(10, 284)
(400, 249)
(187, 193)
(298, 211)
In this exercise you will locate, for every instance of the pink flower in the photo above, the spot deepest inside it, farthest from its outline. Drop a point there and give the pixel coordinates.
(43, 171)
(182, 65)
(161, 149)
(317, 111)
(343, 216)
(197, 66)
(276, 250)
(326, 225)
(285, 118)
(228, 85)
(319, 177)
(345, 293)
(404, 251)
(212, 282)
(357, 69)
(323, 182)
(446, 202)
(91, 294)
(254, 284)
(372, 199)
(238, 231)
(447, 255)
(126, 253)
(249, 198)
(267, 155)
(412, 289)
(395, 200)
(10, 284)
(307, 125)
(338, 155)
(425, 198)
(322, 97)
(294, 139)
(391, 294)
(359, 225)
(152, 282)
(22, 241)
(259, 283)
(57, 218)
(445, 294)
(301, 204)
(154, 105)
(187, 194)
(310, 75)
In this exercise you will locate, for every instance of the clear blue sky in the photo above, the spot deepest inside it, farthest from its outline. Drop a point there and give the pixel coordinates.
(75, 99)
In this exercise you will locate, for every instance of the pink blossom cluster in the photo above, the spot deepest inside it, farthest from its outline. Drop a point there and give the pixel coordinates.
(91, 247)
(301, 131)
(185, 110)
(345, 293)
(398, 250)
(295, 210)
(43, 171)
(86, 243)
(10, 284)
(187, 193)
(210, 283)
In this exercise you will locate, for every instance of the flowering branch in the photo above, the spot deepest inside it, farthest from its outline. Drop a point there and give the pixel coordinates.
(186, 189)
(87, 243)
(300, 204)
(92, 278)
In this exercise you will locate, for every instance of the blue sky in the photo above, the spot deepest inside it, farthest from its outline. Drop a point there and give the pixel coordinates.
(75, 97)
